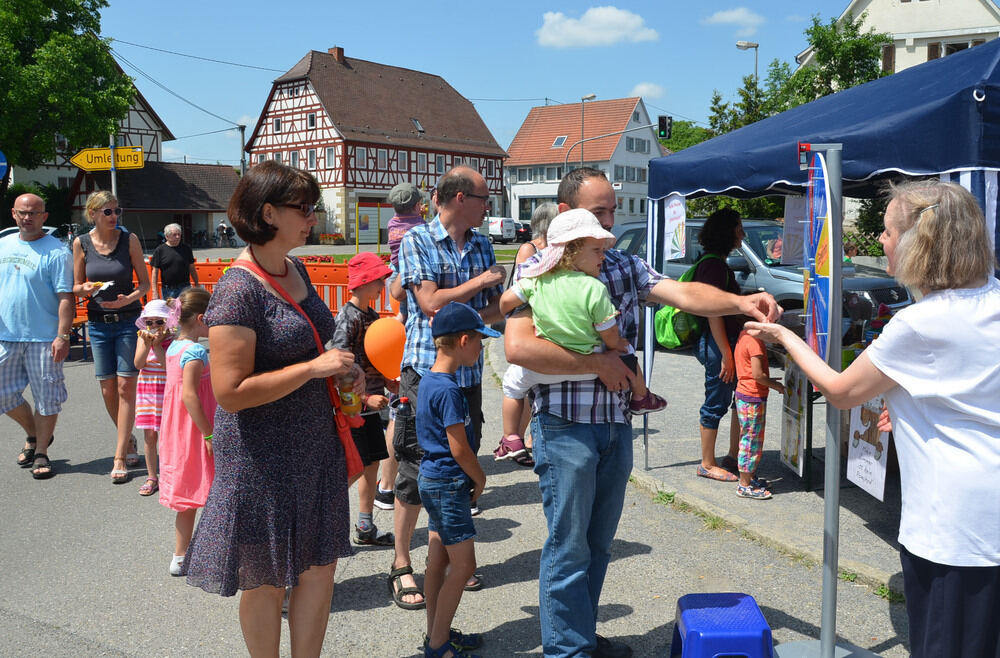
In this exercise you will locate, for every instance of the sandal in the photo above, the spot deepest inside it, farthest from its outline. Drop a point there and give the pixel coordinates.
(474, 585)
(119, 475)
(446, 649)
(459, 640)
(42, 471)
(524, 459)
(397, 591)
(372, 537)
(711, 475)
(132, 458)
(27, 455)
(752, 492)
(149, 487)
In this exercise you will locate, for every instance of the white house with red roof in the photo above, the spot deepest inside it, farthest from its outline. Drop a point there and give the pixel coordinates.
(361, 128)
(548, 144)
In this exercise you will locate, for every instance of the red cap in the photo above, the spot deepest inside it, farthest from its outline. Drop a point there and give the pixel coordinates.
(365, 268)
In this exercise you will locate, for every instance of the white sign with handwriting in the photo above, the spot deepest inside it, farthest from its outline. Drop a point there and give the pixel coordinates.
(867, 449)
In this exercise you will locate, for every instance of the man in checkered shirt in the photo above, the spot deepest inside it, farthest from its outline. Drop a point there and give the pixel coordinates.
(582, 432)
(445, 260)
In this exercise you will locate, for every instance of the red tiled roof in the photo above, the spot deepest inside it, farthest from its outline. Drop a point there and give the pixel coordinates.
(533, 142)
(371, 102)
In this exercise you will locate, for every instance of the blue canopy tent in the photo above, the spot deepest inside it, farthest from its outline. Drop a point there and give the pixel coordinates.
(941, 118)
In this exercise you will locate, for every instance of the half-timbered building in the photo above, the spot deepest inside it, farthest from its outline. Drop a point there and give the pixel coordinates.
(361, 127)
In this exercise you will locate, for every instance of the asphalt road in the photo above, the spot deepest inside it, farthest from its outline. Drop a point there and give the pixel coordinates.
(85, 565)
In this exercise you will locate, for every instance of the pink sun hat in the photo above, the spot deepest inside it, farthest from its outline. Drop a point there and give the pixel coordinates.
(566, 227)
(157, 308)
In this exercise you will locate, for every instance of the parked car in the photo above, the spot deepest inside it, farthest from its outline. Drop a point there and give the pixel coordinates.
(49, 230)
(501, 229)
(522, 231)
(758, 267)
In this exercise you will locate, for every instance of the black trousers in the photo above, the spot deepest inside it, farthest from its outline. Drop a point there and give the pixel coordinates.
(954, 612)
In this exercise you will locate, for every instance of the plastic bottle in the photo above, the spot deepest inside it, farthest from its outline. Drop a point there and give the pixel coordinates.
(350, 402)
(404, 408)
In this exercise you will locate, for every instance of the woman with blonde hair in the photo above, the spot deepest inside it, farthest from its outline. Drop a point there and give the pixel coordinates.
(104, 260)
(937, 365)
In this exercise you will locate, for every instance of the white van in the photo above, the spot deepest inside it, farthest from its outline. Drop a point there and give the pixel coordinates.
(502, 229)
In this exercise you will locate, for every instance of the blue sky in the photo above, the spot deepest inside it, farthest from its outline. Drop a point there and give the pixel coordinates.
(506, 57)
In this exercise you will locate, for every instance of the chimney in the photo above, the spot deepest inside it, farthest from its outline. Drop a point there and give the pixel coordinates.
(338, 54)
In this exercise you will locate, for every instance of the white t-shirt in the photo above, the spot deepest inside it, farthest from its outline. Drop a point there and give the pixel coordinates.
(944, 354)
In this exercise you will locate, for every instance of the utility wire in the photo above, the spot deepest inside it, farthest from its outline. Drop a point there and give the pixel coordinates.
(213, 132)
(663, 109)
(172, 93)
(204, 59)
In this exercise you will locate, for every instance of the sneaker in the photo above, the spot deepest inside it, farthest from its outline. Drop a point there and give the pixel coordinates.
(475, 509)
(760, 483)
(384, 499)
(611, 649)
(177, 565)
(510, 446)
(757, 493)
(372, 537)
(652, 402)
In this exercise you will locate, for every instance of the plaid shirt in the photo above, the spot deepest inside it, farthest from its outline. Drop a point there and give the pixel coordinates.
(629, 280)
(428, 253)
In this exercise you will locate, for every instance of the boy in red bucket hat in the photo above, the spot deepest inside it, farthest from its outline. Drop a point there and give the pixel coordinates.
(366, 274)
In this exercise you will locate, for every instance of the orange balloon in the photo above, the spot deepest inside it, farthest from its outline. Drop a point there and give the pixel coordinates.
(384, 342)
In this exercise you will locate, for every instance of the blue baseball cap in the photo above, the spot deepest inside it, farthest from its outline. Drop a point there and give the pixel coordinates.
(456, 317)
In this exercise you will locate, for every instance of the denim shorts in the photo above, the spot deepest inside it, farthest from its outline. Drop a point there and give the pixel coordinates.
(113, 345)
(449, 507)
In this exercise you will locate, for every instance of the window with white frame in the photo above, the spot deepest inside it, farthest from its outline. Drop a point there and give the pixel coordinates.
(277, 157)
(474, 164)
(402, 161)
(490, 168)
(293, 159)
(631, 205)
(311, 158)
(383, 159)
(422, 163)
(630, 144)
(559, 141)
(553, 173)
(538, 174)
(619, 203)
(635, 116)
(439, 164)
(260, 158)
(360, 158)
(522, 174)
(642, 206)
(331, 157)
(641, 178)
(630, 174)
(311, 120)
(277, 125)
(619, 173)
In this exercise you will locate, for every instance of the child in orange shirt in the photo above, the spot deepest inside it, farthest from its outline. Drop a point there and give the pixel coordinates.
(754, 382)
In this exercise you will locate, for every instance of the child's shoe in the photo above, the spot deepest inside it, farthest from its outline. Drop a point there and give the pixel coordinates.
(757, 493)
(177, 565)
(510, 446)
(652, 402)
(371, 537)
(384, 499)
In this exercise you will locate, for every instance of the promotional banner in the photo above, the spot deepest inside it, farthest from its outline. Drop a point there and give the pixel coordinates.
(794, 230)
(867, 449)
(818, 238)
(794, 417)
(674, 214)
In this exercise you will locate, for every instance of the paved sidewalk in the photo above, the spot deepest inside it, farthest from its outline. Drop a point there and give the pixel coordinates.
(792, 521)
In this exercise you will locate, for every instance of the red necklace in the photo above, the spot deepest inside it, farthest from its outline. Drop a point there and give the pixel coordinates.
(253, 257)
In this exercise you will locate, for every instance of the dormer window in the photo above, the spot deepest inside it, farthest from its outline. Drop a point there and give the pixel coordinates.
(417, 125)
(559, 141)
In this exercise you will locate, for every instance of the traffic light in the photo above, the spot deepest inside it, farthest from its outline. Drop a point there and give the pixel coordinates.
(666, 124)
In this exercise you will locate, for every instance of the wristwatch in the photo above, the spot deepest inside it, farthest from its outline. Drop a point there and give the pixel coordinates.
(63, 336)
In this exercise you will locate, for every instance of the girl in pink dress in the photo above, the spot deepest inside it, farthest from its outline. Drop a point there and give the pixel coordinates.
(186, 463)
(156, 331)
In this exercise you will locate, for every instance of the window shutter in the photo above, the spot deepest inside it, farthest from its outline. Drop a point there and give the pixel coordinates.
(889, 59)
(933, 51)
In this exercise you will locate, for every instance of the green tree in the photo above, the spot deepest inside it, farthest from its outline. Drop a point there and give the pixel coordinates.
(684, 134)
(57, 77)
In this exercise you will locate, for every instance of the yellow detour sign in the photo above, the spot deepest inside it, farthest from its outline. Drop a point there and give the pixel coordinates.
(126, 157)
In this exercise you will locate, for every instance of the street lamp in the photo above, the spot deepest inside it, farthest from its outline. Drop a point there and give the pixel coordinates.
(588, 97)
(747, 45)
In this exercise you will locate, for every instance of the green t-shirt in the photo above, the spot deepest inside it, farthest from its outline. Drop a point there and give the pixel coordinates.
(569, 308)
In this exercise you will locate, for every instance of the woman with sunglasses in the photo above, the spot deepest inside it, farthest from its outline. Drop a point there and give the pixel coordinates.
(103, 262)
(280, 470)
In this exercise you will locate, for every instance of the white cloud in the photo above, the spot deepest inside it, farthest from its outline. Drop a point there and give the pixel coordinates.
(745, 20)
(172, 153)
(648, 90)
(599, 26)
(795, 18)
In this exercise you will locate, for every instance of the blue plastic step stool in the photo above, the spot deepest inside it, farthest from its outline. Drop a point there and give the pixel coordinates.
(720, 624)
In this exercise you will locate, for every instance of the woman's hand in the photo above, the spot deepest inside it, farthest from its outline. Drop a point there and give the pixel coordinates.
(767, 332)
(90, 288)
(118, 302)
(728, 371)
(377, 402)
(333, 363)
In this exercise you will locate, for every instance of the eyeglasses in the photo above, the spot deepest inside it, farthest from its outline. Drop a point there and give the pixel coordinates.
(483, 197)
(25, 214)
(112, 211)
(157, 323)
(304, 208)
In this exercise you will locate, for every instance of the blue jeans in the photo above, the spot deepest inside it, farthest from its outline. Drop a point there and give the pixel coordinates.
(113, 345)
(582, 470)
(166, 292)
(718, 394)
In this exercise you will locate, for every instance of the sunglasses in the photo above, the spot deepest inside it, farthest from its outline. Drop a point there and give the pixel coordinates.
(112, 211)
(304, 208)
(156, 323)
